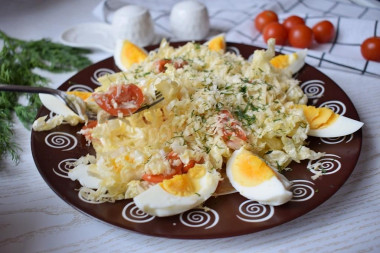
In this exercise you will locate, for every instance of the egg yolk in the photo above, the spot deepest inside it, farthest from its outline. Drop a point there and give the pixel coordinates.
(81, 94)
(130, 54)
(185, 184)
(319, 118)
(283, 61)
(249, 170)
(280, 61)
(217, 44)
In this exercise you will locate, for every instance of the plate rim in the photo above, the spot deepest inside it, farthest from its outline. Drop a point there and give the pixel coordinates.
(220, 234)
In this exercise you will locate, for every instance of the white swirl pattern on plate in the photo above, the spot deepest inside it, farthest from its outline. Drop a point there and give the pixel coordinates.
(314, 90)
(133, 214)
(328, 164)
(336, 140)
(335, 105)
(233, 50)
(251, 211)
(80, 87)
(200, 218)
(302, 190)
(100, 72)
(63, 167)
(61, 140)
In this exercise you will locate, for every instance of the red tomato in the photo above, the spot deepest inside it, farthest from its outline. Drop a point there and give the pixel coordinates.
(179, 63)
(370, 49)
(323, 31)
(292, 21)
(264, 18)
(160, 64)
(301, 36)
(156, 178)
(124, 99)
(191, 164)
(175, 164)
(91, 124)
(232, 127)
(277, 31)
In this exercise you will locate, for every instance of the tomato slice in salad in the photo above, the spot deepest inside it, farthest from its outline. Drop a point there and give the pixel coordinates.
(85, 129)
(175, 164)
(231, 126)
(122, 99)
(177, 63)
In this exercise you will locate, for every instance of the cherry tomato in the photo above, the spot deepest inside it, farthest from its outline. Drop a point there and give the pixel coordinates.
(179, 63)
(191, 164)
(175, 164)
(301, 36)
(85, 129)
(323, 31)
(264, 18)
(370, 49)
(124, 99)
(277, 31)
(232, 128)
(292, 21)
(160, 64)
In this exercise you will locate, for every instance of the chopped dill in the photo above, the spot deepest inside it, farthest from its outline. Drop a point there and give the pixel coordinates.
(18, 60)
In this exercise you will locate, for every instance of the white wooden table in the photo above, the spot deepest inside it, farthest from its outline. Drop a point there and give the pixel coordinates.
(34, 219)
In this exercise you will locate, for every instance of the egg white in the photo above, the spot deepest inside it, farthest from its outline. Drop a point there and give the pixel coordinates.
(295, 64)
(340, 127)
(158, 202)
(274, 191)
(117, 55)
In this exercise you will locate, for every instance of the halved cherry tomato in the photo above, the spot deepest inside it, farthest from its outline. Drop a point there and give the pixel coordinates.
(160, 64)
(122, 99)
(191, 164)
(264, 18)
(177, 168)
(232, 127)
(179, 63)
(301, 36)
(277, 31)
(292, 21)
(323, 31)
(175, 164)
(91, 124)
(370, 49)
(156, 178)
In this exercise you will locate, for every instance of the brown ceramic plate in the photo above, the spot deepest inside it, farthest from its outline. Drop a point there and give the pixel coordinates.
(229, 215)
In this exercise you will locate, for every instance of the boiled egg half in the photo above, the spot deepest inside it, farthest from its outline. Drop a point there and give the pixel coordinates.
(325, 123)
(217, 43)
(290, 62)
(180, 193)
(126, 54)
(255, 180)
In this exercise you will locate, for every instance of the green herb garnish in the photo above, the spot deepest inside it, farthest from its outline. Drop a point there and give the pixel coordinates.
(18, 61)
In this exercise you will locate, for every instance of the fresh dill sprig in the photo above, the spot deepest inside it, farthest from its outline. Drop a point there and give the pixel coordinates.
(18, 61)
